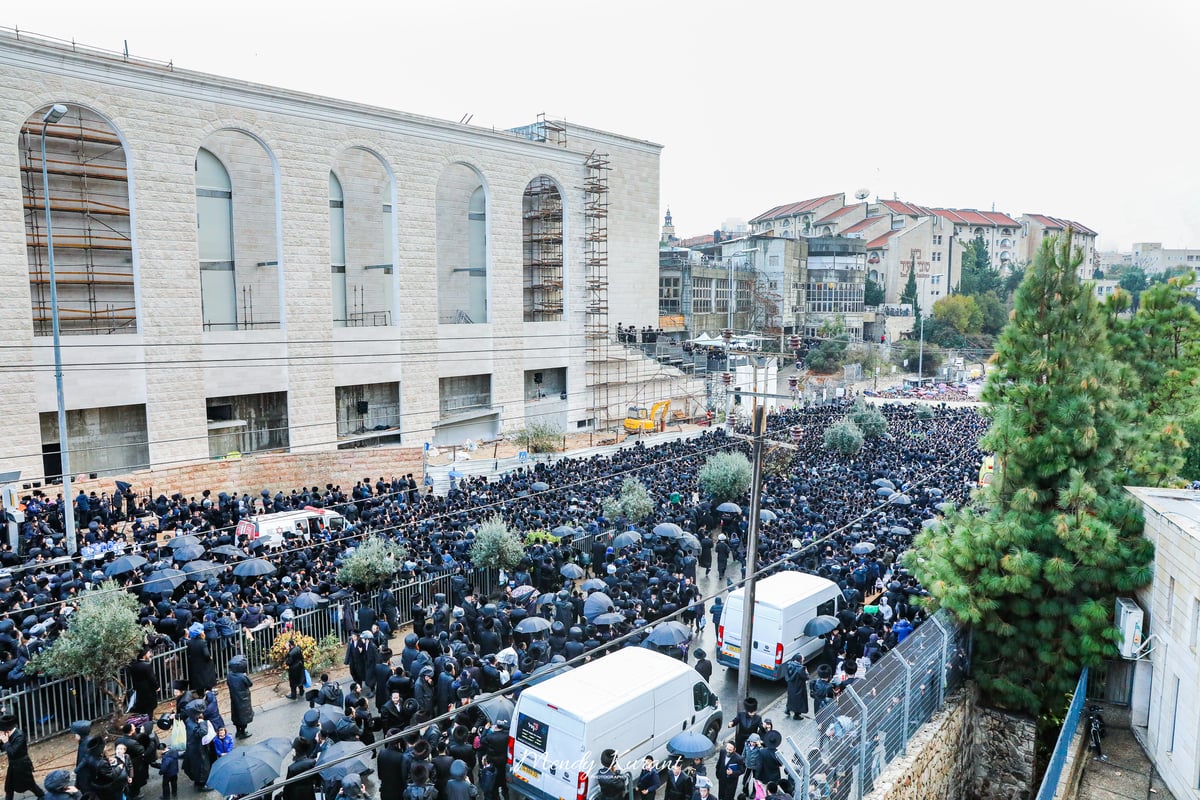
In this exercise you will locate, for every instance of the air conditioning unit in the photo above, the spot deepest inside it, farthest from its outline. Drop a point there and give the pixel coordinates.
(1129, 622)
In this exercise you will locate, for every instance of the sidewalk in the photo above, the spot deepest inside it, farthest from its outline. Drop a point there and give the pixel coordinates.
(1126, 774)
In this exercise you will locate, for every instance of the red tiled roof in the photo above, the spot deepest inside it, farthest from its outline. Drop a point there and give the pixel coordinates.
(862, 225)
(969, 216)
(1001, 219)
(907, 209)
(880, 241)
(696, 240)
(841, 212)
(790, 209)
(1057, 224)
(950, 214)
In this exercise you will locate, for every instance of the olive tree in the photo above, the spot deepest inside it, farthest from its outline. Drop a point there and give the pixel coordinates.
(372, 564)
(868, 418)
(844, 437)
(633, 502)
(726, 476)
(101, 638)
(496, 545)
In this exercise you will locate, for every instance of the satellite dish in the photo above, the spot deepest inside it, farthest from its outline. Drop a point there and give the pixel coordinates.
(862, 194)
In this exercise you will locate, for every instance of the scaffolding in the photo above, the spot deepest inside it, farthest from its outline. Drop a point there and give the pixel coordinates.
(595, 214)
(542, 210)
(89, 201)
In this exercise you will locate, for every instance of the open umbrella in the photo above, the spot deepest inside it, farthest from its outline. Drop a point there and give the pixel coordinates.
(670, 633)
(626, 539)
(227, 550)
(564, 530)
(595, 604)
(254, 568)
(539, 486)
(183, 541)
(307, 600)
(187, 552)
(821, 625)
(572, 571)
(523, 593)
(270, 750)
(330, 713)
(883, 483)
(884, 492)
(862, 548)
(729, 508)
(496, 708)
(532, 625)
(668, 530)
(933, 491)
(900, 500)
(164, 581)
(689, 542)
(240, 773)
(691, 744)
(767, 515)
(593, 583)
(610, 618)
(359, 760)
(124, 564)
(201, 569)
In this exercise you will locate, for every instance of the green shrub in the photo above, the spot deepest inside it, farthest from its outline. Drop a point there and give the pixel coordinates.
(373, 563)
(844, 437)
(633, 502)
(726, 476)
(496, 546)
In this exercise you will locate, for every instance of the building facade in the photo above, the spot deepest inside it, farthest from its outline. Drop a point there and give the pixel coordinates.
(1154, 259)
(243, 268)
(1036, 227)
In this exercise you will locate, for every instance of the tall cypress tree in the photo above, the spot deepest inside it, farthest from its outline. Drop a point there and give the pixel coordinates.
(1035, 566)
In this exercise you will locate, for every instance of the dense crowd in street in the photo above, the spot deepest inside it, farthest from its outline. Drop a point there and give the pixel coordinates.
(826, 514)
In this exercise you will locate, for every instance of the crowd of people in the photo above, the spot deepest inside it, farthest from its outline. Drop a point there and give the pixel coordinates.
(822, 509)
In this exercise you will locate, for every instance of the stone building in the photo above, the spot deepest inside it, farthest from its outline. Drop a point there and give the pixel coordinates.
(244, 268)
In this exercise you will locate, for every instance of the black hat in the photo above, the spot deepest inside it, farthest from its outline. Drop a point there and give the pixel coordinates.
(7, 722)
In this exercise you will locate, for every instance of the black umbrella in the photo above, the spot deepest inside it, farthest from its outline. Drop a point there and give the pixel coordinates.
(767, 515)
(254, 568)
(862, 548)
(609, 618)
(884, 492)
(307, 600)
(564, 530)
(900, 500)
(200, 569)
(689, 542)
(124, 564)
(240, 773)
(593, 583)
(331, 714)
(670, 633)
(627, 539)
(572, 571)
(691, 744)
(596, 603)
(729, 508)
(183, 541)
(523, 593)
(187, 552)
(164, 581)
(883, 483)
(496, 708)
(539, 486)
(270, 750)
(819, 626)
(227, 550)
(532, 625)
(668, 530)
(358, 761)
(900, 530)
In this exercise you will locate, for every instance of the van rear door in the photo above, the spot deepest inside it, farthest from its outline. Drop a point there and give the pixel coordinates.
(546, 746)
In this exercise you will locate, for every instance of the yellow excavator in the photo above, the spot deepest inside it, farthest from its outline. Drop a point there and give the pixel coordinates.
(639, 420)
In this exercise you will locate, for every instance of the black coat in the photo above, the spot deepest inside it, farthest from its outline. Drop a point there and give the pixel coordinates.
(19, 777)
(145, 687)
(390, 766)
(195, 758)
(300, 790)
(797, 687)
(295, 665)
(241, 707)
(202, 673)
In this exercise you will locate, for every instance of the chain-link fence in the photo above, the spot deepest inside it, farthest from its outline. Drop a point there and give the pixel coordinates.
(871, 721)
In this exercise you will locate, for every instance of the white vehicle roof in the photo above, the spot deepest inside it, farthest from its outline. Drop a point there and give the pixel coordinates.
(589, 691)
(297, 514)
(783, 588)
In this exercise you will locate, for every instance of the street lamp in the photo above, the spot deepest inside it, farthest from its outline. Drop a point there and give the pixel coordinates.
(57, 112)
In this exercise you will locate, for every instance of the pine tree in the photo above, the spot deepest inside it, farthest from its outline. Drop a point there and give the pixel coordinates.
(909, 295)
(1036, 567)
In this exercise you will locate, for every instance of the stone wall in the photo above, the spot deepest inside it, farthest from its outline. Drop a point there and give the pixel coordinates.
(274, 471)
(965, 752)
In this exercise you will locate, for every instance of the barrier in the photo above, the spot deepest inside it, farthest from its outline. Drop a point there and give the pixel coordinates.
(1062, 748)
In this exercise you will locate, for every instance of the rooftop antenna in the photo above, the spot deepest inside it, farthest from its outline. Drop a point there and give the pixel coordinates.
(466, 119)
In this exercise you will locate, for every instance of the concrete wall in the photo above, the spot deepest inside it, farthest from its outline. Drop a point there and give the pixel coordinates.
(292, 141)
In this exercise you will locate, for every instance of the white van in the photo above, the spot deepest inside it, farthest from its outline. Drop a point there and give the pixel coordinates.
(783, 604)
(633, 701)
(276, 529)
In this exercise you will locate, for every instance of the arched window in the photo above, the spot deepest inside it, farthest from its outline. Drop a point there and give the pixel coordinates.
(90, 219)
(337, 249)
(214, 229)
(542, 236)
(462, 248)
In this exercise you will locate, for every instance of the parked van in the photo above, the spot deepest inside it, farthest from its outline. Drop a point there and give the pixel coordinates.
(783, 604)
(633, 701)
(276, 529)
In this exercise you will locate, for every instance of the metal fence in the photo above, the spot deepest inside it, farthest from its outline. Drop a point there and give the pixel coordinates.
(1062, 748)
(870, 723)
(47, 708)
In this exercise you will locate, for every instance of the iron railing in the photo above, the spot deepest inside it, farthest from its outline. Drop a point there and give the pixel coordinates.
(870, 723)
(1062, 748)
(46, 709)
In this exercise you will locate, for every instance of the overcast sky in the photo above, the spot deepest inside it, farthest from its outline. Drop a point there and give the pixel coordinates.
(1084, 110)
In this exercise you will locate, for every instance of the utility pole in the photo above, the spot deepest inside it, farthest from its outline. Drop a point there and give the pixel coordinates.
(760, 430)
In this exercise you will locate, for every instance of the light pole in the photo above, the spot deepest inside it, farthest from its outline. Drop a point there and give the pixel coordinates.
(57, 112)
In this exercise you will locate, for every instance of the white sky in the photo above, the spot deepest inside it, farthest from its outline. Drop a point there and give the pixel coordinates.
(1084, 110)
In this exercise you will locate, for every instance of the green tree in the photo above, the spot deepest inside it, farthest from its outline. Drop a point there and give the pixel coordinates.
(844, 437)
(373, 563)
(1036, 568)
(907, 355)
(867, 417)
(725, 477)
(496, 546)
(909, 295)
(1190, 471)
(873, 294)
(101, 638)
(960, 312)
(1016, 276)
(977, 275)
(1134, 281)
(995, 315)
(633, 502)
